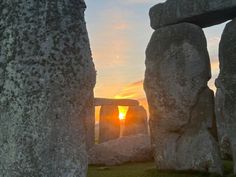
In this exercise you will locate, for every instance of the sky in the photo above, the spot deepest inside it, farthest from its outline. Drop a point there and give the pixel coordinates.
(119, 31)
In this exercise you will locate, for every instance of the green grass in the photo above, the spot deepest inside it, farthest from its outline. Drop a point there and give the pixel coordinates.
(148, 170)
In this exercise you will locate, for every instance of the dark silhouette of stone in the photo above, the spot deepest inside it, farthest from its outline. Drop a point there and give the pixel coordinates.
(109, 123)
(46, 79)
(135, 121)
(226, 84)
(115, 102)
(180, 102)
(223, 137)
(203, 13)
(136, 148)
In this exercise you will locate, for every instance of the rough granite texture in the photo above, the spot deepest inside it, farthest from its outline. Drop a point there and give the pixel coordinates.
(90, 123)
(226, 84)
(203, 13)
(109, 123)
(136, 148)
(135, 121)
(180, 102)
(46, 79)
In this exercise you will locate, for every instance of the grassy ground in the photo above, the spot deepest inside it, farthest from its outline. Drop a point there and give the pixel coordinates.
(148, 170)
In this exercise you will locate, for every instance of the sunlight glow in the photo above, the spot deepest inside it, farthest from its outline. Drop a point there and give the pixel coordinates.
(121, 116)
(122, 112)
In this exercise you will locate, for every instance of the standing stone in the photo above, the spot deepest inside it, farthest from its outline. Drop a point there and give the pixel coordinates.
(180, 102)
(226, 84)
(46, 78)
(223, 137)
(90, 123)
(135, 121)
(109, 123)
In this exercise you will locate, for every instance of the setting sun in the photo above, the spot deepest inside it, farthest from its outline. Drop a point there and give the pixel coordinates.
(122, 112)
(121, 116)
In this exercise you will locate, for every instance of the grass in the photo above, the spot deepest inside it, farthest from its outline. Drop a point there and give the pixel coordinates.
(148, 170)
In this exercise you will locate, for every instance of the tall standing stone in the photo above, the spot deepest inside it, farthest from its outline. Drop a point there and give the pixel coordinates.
(46, 78)
(90, 123)
(180, 102)
(226, 84)
(135, 121)
(109, 123)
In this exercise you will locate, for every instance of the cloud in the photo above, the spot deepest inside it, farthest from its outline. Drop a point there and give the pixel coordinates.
(134, 91)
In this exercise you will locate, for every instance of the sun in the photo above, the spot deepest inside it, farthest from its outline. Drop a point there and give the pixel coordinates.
(121, 116)
(122, 112)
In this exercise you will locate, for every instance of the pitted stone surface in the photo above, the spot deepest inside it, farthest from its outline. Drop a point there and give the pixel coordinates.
(135, 121)
(203, 13)
(109, 123)
(46, 77)
(226, 84)
(90, 123)
(135, 148)
(180, 103)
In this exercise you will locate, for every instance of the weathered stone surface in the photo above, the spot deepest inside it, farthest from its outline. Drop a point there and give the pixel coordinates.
(226, 84)
(109, 123)
(115, 102)
(46, 77)
(180, 103)
(223, 137)
(136, 148)
(90, 123)
(203, 13)
(135, 121)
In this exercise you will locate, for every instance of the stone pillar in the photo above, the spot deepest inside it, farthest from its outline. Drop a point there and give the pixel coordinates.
(180, 102)
(90, 123)
(46, 77)
(136, 121)
(226, 85)
(109, 123)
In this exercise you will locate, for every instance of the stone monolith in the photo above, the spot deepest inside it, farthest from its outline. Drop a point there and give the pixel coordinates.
(135, 148)
(109, 123)
(226, 84)
(180, 102)
(90, 123)
(46, 79)
(135, 121)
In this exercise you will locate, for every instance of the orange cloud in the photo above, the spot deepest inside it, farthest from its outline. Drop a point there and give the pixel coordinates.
(134, 91)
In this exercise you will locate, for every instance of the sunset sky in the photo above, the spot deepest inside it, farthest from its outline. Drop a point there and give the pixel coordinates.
(119, 32)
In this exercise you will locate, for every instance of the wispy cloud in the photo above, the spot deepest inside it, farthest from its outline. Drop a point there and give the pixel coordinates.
(133, 91)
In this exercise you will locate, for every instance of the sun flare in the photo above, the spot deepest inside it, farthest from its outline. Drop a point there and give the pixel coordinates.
(122, 112)
(121, 116)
